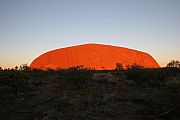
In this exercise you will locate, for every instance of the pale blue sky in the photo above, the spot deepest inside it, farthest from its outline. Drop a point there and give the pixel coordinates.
(29, 28)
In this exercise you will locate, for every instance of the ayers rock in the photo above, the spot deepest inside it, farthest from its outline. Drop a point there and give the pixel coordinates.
(98, 56)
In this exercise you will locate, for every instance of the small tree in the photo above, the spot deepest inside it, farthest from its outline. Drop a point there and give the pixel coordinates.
(24, 67)
(119, 66)
(174, 63)
(177, 64)
(16, 68)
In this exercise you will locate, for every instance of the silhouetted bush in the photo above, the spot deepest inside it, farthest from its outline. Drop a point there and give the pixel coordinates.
(77, 76)
(119, 66)
(24, 67)
(174, 63)
(136, 73)
(15, 80)
(151, 77)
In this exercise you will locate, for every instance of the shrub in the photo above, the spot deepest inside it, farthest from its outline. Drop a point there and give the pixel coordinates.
(16, 80)
(77, 76)
(119, 66)
(136, 73)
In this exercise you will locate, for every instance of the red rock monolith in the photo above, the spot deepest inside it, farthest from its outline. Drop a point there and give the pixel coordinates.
(98, 56)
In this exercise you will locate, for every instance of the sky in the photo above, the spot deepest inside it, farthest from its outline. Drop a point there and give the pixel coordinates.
(29, 28)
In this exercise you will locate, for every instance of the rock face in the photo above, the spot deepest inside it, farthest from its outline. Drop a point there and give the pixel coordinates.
(100, 57)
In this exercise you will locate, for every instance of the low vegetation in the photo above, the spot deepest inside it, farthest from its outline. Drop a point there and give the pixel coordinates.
(134, 93)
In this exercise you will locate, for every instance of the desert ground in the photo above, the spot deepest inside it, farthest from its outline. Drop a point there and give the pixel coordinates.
(80, 94)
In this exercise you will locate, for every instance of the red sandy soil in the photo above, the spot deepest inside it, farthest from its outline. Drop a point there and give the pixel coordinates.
(98, 56)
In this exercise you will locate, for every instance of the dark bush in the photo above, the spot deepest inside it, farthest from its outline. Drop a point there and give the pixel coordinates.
(16, 80)
(77, 76)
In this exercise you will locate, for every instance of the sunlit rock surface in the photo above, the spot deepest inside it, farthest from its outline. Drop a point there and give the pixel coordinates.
(98, 56)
